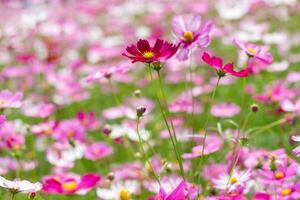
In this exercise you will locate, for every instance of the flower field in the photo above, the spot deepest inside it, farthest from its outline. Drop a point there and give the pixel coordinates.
(150, 100)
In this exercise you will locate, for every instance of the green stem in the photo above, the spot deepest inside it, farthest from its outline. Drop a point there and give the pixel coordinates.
(273, 124)
(112, 92)
(12, 197)
(141, 143)
(168, 127)
(172, 125)
(205, 131)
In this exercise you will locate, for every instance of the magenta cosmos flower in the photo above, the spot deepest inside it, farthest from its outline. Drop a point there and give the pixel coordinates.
(255, 51)
(70, 184)
(217, 63)
(179, 193)
(143, 52)
(190, 32)
(97, 151)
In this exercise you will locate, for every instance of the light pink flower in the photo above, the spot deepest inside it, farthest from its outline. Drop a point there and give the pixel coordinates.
(97, 151)
(255, 51)
(225, 110)
(10, 100)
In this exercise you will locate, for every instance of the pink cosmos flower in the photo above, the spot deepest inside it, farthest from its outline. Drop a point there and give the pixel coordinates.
(212, 144)
(70, 184)
(45, 128)
(185, 105)
(10, 100)
(143, 52)
(179, 193)
(42, 110)
(10, 138)
(190, 32)
(217, 63)
(224, 110)
(290, 106)
(70, 129)
(97, 151)
(276, 93)
(89, 120)
(107, 73)
(289, 191)
(296, 151)
(255, 51)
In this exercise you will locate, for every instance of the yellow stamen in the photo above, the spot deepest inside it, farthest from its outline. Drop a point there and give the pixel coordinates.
(279, 175)
(71, 133)
(233, 180)
(200, 152)
(188, 36)
(252, 51)
(2, 102)
(69, 186)
(148, 54)
(48, 131)
(124, 194)
(286, 191)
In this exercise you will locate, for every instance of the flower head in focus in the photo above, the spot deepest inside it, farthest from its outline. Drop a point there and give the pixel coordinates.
(189, 32)
(217, 63)
(143, 52)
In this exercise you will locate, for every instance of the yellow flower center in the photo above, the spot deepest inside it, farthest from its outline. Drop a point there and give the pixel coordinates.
(286, 191)
(124, 194)
(69, 186)
(148, 54)
(279, 175)
(252, 51)
(2, 102)
(233, 180)
(200, 152)
(71, 133)
(188, 36)
(48, 131)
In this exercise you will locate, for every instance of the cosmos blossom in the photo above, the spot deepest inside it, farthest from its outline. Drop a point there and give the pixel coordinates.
(143, 52)
(70, 184)
(255, 51)
(22, 186)
(9, 99)
(217, 64)
(189, 31)
(225, 110)
(98, 150)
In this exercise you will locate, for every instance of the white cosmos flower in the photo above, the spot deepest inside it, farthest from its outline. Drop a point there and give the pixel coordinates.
(121, 190)
(123, 130)
(20, 185)
(231, 183)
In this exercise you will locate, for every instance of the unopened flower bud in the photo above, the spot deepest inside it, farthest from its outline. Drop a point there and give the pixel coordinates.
(106, 129)
(31, 195)
(254, 108)
(137, 155)
(137, 93)
(111, 176)
(140, 111)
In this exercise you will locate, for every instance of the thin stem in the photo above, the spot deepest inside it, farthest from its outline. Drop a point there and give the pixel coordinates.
(171, 121)
(12, 197)
(205, 131)
(271, 125)
(112, 92)
(191, 85)
(168, 127)
(143, 150)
